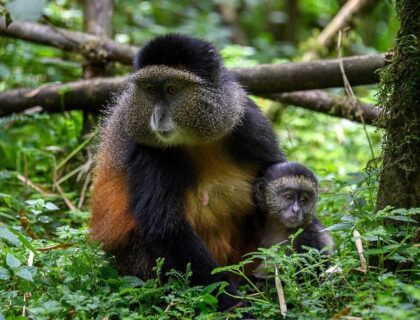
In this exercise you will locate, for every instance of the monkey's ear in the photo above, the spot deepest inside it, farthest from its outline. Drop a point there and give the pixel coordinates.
(259, 192)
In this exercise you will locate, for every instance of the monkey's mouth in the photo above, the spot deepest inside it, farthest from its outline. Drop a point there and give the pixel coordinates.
(165, 134)
(293, 221)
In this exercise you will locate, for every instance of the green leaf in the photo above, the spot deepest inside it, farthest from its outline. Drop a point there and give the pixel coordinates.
(51, 306)
(339, 226)
(26, 10)
(402, 218)
(370, 252)
(6, 234)
(25, 274)
(51, 206)
(25, 242)
(5, 198)
(12, 261)
(131, 282)
(44, 219)
(4, 274)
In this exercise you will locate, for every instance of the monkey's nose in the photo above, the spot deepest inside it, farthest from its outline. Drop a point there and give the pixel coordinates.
(295, 209)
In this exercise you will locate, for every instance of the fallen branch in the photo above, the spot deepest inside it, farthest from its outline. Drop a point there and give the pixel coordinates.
(87, 95)
(262, 80)
(294, 76)
(320, 101)
(93, 47)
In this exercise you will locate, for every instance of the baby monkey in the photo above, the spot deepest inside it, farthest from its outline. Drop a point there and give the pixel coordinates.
(287, 194)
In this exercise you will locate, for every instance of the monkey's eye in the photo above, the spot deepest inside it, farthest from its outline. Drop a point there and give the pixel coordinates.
(288, 196)
(171, 90)
(303, 199)
(152, 90)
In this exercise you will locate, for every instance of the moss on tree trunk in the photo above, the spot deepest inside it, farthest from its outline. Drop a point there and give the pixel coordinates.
(399, 184)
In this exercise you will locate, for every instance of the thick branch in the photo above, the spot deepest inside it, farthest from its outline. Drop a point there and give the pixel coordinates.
(320, 101)
(260, 80)
(78, 42)
(271, 78)
(88, 95)
(96, 92)
(275, 78)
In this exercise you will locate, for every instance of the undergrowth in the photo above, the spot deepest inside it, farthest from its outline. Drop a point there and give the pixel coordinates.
(48, 269)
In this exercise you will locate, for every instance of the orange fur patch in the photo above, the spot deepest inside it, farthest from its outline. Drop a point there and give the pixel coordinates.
(216, 209)
(111, 222)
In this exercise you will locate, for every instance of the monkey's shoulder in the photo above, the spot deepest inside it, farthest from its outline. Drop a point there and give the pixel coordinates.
(254, 139)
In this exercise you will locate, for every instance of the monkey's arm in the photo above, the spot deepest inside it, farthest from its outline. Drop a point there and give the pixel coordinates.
(313, 236)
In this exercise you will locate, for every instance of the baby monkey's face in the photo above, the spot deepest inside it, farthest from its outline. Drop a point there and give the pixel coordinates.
(291, 201)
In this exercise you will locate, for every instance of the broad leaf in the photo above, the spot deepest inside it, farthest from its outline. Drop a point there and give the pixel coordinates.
(12, 261)
(26, 10)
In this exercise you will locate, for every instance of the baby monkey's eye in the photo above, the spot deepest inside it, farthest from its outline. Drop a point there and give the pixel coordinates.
(288, 196)
(305, 198)
(171, 90)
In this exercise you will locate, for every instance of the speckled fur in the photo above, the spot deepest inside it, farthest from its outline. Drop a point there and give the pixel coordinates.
(275, 203)
(201, 113)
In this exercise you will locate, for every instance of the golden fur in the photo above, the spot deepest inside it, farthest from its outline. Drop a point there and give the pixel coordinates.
(216, 208)
(111, 222)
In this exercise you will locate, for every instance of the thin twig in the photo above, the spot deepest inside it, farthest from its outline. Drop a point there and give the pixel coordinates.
(350, 93)
(29, 183)
(61, 32)
(359, 247)
(24, 221)
(67, 201)
(280, 293)
(340, 21)
(28, 295)
(84, 189)
(55, 247)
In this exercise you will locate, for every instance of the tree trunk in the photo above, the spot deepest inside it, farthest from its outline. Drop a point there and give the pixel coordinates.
(98, 21)
(399, 184)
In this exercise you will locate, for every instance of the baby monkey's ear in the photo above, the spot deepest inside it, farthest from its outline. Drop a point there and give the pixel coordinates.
(260, 193)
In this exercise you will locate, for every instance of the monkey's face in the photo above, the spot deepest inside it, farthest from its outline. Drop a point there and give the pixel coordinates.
(291, 201)
(166, 106)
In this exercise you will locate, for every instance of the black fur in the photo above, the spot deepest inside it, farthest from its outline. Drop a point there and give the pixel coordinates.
(176, 50)
(289, 169)
(310, 237)
(254, 139)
